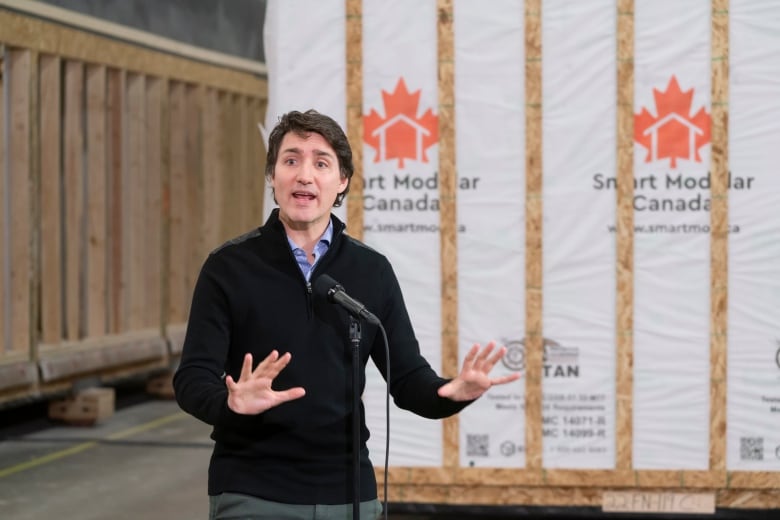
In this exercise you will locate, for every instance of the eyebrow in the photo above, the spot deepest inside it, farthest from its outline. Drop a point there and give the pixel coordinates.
(318, 153)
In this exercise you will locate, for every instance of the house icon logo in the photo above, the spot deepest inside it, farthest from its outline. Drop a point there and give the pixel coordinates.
(672, 133)
(400, 134)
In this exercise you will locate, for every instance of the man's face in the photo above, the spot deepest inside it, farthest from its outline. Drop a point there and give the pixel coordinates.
(306, 180)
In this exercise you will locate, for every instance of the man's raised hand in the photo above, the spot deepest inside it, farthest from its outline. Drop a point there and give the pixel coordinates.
(252, 393)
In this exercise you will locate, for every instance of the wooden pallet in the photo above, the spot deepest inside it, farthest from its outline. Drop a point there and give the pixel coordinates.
(84, 408)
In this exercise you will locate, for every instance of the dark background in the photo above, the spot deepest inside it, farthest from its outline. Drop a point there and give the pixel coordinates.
(232, 27)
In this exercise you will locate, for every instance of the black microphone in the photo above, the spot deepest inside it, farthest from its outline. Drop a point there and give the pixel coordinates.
(329, 288)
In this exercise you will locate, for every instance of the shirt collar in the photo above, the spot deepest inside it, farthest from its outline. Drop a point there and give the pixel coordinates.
(325, 239)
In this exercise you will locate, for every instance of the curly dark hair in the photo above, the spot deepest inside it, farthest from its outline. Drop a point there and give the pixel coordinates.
(303, 124)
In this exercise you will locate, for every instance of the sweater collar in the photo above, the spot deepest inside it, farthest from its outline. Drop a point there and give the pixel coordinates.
(275, 223)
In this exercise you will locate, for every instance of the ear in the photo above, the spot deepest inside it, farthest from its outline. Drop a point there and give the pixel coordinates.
(343, 184)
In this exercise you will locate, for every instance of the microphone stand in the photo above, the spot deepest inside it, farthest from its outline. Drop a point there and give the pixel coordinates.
(354, 337)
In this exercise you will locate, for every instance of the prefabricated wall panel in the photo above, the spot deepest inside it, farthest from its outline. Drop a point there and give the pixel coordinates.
(606, 124)
(590, 183)
(103, 162)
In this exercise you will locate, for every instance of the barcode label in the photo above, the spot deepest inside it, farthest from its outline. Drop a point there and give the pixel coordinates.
(477, 445)
(751, 448)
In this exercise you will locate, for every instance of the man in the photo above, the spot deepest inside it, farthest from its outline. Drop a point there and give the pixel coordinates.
(266, 360)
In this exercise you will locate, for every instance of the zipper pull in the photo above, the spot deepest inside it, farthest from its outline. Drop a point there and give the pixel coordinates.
(309, 301)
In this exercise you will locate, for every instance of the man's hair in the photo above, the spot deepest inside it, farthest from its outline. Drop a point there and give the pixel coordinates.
(303, 124)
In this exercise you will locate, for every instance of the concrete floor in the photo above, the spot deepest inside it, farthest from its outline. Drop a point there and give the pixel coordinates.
(146, 461)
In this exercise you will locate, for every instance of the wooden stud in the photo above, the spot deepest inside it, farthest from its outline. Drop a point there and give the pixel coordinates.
(212, 172)
(5, 329)
(20, 69)
(624, 320)
(354, 130)
(234, 202)
(230, 187)
(242, 158)
(115, 250)
(533, 234)
(192, 194)
(153, 265)
(257, 151)
(134, 188)
(51, 179)
(97, 208)
(165, 204)
(719, 235)
(176, 267)
(74, 198)
(448, 239)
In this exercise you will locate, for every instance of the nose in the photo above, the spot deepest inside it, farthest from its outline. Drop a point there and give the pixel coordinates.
(305, 173)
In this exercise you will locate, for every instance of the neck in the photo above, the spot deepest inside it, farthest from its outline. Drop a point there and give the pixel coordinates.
(305, 235)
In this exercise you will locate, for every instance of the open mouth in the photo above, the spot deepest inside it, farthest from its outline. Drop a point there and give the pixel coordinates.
(302, 195)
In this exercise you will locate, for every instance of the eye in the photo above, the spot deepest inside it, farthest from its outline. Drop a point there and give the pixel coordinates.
(322, 164)
(289, 160)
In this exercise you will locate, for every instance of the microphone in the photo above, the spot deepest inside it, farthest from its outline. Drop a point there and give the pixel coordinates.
(329, 288)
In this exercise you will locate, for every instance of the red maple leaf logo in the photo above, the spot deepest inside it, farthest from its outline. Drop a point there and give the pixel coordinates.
(401, 134)
(672, 134)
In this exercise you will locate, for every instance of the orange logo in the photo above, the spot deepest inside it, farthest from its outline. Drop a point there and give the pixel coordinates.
(672, 134)
(401, 134)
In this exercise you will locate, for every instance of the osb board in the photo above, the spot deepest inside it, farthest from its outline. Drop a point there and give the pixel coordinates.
(448, 239)
(719, 236)
(624, 380)
(354, 130)
(17, 30)
(480, 494)
(754, 480)
(644, 479)
(749, 499)
(533, 233)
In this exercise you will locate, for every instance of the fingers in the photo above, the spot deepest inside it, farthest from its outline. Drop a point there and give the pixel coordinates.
(231, 384)
(246, 368)
(446, 389)
(481, 359)
(268, 367)
(272, 365)
(268, 361)
(471, 356)
(290, 394)
(504, 379)
(497, 356)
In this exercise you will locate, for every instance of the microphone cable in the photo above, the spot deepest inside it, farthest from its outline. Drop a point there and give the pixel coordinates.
(387, 413)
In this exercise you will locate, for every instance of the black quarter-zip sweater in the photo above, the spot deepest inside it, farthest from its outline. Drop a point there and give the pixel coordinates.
(252, 297)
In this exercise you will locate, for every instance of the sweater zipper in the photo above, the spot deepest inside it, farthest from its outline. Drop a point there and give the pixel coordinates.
(309, 303)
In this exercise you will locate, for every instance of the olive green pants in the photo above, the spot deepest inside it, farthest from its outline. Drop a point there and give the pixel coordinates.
(233, 506)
